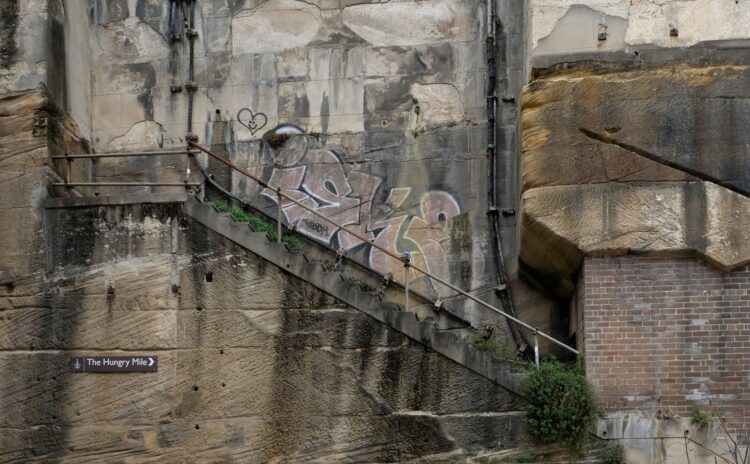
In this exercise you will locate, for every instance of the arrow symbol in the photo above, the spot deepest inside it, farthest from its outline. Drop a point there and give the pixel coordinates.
(150, 362)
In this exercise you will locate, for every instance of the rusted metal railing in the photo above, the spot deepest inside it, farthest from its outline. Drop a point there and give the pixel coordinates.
(69, 182)
(405, 258)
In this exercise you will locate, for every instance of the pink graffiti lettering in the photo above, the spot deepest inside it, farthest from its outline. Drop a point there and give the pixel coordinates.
(321, 183)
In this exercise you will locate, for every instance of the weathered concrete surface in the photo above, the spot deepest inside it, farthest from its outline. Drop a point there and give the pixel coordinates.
(254, 365)
(634, 161)
(275, 26)
(630, 25)
(631, 429)
(23, 62)
(410, 23)
(392, 96)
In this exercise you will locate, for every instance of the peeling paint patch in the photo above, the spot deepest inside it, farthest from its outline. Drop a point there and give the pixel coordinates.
(579, 31)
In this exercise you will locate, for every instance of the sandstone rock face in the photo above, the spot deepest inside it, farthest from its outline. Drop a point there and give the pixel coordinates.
(254, 366)
(647, 162)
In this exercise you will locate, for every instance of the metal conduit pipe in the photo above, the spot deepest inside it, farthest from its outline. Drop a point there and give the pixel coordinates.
(190, 86)
(492, 210)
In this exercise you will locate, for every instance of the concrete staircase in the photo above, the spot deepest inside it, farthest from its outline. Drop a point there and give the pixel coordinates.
(365, 291)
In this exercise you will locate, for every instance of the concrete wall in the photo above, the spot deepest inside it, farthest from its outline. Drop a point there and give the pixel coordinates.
(561, 27)
(24, 61)
(78, 66)
(391, 97)
(45, 45)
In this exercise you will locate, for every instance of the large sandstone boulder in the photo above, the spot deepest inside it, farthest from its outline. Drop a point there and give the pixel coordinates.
(648, 161)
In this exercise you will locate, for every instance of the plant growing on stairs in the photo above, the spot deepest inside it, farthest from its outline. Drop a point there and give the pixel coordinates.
(259, 225)
(562, 406)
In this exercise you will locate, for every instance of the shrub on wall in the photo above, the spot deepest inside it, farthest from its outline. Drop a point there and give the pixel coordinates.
(562, 406)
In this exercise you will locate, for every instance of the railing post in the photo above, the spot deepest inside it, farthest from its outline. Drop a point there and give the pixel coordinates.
(69, 170)
(406, 257)
(536, 349)
(278, 216)
(189, 164)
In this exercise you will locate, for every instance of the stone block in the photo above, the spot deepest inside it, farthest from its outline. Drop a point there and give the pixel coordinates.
(107, 109)
(561, 224)
(411, 23)
(275, 26)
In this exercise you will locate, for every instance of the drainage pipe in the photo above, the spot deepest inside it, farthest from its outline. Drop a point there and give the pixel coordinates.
(493, 212)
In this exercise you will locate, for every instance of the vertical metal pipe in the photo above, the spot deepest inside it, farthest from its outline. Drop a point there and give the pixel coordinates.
(490, 23)
(191, 69)
(536, 351)
(278, 216)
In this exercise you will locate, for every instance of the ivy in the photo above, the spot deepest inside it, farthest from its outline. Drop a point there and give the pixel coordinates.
(562, 406)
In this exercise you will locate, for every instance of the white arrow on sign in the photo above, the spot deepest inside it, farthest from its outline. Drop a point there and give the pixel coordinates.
(150, 362)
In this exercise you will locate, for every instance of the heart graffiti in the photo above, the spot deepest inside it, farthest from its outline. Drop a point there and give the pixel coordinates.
(253, 121)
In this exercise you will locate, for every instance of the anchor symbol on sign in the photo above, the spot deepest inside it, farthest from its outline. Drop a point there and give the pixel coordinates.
(77, 364)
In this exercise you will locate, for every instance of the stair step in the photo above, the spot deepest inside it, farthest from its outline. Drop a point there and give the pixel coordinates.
(424, 323)
(442, 318)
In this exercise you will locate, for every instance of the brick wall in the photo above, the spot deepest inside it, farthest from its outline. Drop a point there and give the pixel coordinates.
(667, 335)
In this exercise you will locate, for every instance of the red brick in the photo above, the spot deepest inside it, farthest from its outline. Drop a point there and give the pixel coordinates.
(637, 316)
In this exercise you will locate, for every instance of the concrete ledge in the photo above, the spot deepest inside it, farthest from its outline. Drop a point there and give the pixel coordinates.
(115, 200)
(715, 52)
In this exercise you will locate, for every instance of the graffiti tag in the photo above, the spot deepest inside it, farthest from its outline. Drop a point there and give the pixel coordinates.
(319, 181)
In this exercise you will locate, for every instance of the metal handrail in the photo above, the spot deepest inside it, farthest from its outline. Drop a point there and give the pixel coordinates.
(404, 259)
(125, 154)
(68, 180)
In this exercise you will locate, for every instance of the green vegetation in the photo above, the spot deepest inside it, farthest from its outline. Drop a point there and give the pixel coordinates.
(501, 350)
(486, 460)
(275, 140)
(524, 457)
(562, 406)
(612, 455)
(699, 417)
(260, 225)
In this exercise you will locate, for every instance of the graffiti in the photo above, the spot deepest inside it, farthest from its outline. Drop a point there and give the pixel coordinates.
(253, 121)
(317, 179)
(319, 228)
